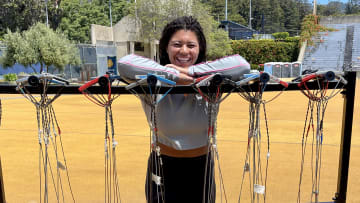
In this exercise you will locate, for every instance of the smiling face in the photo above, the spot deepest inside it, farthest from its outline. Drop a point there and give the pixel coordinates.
(183, 48)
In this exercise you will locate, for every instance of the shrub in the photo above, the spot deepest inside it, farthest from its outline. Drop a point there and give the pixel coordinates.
(280, 35)
(10, 77)
(263, 51)
(310, 27)
(292, 39)
(256, 67)
(219, 44)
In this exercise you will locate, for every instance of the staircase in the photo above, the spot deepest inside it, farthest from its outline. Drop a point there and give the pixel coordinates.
(332, 50)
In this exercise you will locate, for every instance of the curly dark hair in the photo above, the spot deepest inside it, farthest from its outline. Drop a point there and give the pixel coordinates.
(182, 23)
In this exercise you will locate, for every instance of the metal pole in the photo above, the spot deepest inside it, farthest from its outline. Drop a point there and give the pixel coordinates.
(110, 13)
(314, 9)
(343, 172)
(2, 191)
(47, 16)
(226, 8)
(70, 72)
(226, 17)
(250, 16)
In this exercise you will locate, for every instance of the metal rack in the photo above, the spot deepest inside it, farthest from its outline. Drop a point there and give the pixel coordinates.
(348, 93)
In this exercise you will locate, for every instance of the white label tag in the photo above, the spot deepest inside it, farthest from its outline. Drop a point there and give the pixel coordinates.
(156, 179)
(260, 189)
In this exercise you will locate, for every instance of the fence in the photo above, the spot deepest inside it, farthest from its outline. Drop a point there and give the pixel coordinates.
(93, 63)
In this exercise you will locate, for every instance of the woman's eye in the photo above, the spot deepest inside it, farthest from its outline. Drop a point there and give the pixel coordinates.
(177, 45)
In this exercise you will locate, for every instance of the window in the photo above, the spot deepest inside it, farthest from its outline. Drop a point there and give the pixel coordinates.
(139, 46)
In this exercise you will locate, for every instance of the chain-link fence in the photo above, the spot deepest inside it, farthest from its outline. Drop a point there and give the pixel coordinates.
(94, 62)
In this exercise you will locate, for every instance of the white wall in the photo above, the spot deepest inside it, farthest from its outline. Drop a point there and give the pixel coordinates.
(101, 33)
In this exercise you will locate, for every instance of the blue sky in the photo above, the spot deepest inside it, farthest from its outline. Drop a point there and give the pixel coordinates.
(326, 1)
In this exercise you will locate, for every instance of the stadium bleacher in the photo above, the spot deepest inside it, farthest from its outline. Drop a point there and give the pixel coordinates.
(328, 50)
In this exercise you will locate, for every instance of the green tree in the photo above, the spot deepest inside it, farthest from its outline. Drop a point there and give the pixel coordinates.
(262, 17)
(291, 17)
(304, 8)
(54, 13)
(332, 8)
(22, 14)
(39, 44)
(218, 41)
(274, 15)
(277, 17)
(216, 8)
(219, 44)
(243, 9)
(271, 12)
(234, 14)
(77, 16)
(353, 7)
(19, 14)
(77, 19)
(153, 15)
(260, 8)
(119, 9)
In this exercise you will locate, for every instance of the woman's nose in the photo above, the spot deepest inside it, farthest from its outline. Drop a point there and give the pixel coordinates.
(184, 49)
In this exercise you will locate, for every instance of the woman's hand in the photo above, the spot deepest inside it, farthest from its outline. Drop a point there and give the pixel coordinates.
(184, 78)
(181, 69)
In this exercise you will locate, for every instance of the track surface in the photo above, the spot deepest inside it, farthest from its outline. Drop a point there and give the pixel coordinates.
(82, 124)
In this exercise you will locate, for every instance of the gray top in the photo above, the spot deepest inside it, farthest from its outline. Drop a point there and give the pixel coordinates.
(182, 120)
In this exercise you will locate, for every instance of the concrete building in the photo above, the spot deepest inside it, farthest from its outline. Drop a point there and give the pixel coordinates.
(125, 36)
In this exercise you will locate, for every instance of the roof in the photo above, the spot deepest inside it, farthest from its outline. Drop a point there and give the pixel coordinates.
(224, 22)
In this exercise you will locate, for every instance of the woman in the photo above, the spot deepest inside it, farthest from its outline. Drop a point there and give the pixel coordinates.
(182, 119)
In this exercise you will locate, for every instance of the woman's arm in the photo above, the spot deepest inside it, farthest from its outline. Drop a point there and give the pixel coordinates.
(131, 65)
(234, 66)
